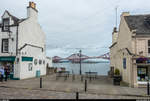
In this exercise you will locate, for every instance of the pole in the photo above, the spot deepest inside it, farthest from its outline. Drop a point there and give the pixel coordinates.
(40, 82)
(81, 78)
(147, 88)
(80, 63)
(77, 95)
(116, 15)
(85, 85)
(90, 75)
(148, 85)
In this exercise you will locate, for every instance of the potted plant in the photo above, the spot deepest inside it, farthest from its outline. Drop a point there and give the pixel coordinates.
(117, 77)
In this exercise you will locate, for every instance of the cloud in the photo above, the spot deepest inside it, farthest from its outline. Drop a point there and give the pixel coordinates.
(72, 24)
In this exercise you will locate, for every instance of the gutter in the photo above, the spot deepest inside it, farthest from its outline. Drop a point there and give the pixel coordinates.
(31, 46)
(113, 45)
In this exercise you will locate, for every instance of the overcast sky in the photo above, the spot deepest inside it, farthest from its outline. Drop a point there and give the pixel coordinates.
(73, 24)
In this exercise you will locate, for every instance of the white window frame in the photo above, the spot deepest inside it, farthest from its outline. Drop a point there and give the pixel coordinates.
(6, 24)
(5, 46)
(30, 67)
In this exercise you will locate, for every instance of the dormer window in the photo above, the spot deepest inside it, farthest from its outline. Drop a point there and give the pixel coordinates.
(6, 24)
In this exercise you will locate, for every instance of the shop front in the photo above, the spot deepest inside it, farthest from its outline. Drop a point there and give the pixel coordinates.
(9, 62)
(143, 70)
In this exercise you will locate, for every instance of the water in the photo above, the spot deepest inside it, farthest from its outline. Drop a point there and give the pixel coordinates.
(100, 68)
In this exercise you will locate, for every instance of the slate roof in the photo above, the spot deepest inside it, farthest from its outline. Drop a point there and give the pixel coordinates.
(140, 23)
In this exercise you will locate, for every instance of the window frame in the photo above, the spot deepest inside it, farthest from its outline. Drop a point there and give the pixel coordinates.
(148, 46)
(2, 48)
(124, 63)
(40, 62)
(3, 27)
(43, 62)
(35, 61)
(30, 66)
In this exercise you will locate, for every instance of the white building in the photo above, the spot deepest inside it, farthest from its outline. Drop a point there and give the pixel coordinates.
(22, 44)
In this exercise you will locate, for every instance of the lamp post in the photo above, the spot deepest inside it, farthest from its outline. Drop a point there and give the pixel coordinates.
(148, 86)
(80, 63)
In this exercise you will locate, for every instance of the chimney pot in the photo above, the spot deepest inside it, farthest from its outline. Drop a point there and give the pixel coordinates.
(32, 5)
(125, 14)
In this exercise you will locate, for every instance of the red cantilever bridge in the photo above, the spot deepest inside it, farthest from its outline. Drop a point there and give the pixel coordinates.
(76, 57)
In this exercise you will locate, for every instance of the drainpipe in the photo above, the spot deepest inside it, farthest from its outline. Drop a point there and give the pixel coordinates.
(131, 72)
(18, 71)
(17, 40)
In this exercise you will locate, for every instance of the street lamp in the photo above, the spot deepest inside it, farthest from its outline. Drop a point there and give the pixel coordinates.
(80, 63)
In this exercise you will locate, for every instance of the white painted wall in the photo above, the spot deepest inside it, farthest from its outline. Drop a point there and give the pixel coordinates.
(5, 35)
(36, 53)
(30, 32)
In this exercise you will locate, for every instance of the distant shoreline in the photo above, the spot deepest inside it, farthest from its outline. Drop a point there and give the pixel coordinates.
(83, 62)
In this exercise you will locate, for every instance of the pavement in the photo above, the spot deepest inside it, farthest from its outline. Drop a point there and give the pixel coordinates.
(100, 88)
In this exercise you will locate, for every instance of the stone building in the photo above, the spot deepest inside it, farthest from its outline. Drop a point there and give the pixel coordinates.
(130, 49)
(23, 47)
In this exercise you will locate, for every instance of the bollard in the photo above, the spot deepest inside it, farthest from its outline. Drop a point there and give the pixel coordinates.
(65, 78)
(40, 82)
(85, 85)
(73, 77)
(148, 88)
(81, 78)
(77, 95)
(90, 78)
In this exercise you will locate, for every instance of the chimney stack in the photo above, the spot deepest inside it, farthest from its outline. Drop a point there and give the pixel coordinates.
(32, 5)
(114, 35)
(125, 14)
(32, 12)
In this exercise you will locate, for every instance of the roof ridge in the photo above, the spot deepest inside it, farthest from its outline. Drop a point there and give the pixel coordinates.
(11, 15)
(139, 15)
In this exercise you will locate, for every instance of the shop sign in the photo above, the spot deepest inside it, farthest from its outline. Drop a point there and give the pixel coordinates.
(141, 60)
(10, 58)
(27, 58)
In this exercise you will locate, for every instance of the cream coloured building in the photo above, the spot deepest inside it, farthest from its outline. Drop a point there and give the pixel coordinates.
(130, 49)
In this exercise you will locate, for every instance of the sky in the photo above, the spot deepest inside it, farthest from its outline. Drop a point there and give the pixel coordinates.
(71, 25)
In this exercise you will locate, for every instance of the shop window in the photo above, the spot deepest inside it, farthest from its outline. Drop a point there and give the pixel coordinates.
(142, 73)
(40, 62)
(5, 45)
(30, 67)
(35, 61)
(124, 63)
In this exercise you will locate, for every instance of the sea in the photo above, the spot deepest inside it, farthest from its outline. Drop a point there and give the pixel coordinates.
(101, 68)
